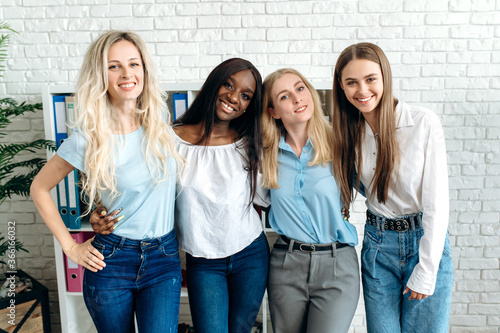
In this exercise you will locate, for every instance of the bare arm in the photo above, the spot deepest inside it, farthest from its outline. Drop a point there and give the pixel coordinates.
(51, 174)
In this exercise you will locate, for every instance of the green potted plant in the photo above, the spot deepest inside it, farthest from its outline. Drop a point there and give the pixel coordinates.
(16, 174)
(17, 170)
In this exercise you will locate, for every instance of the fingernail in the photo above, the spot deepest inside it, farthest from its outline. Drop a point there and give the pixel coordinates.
(117, 224)
(103, 212)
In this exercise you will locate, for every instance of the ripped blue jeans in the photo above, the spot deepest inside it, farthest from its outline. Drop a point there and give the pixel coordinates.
(141, 277)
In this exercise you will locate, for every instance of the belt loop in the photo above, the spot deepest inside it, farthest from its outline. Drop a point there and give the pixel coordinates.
(418, 218)
(413, 222)
(122, 242)
(290, 246)
(334, 250)
(380, 223)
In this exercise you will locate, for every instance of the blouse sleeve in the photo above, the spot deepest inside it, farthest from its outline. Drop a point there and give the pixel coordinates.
(262, 195)
(435, 201)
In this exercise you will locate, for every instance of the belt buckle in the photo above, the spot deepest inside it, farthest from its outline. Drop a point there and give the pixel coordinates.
(312, 248)
(400, 223)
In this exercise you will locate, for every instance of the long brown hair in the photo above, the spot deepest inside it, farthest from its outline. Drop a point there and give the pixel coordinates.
(348, 125)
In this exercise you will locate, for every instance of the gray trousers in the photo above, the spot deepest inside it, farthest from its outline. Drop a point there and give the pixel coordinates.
(312, 292)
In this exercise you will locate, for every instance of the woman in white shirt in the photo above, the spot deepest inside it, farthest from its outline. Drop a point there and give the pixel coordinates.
(227, 254)
(398, 152)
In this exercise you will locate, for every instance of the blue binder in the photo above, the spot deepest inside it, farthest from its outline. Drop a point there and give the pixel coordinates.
(61, 133)
(75, 221)
(60, 118)
(180, 104)
(62, 201)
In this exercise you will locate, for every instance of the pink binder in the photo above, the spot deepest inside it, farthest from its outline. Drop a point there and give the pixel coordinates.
(74, 272)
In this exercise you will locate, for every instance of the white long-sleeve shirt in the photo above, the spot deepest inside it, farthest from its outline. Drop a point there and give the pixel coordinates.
(420, 184)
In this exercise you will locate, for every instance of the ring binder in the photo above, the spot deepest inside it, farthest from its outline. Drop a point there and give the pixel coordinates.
(74, 272)
(180, 104)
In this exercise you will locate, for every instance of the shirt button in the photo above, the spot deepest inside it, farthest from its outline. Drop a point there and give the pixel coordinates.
(303, 213)
(297, 192)
(300, 171)
(312, 234)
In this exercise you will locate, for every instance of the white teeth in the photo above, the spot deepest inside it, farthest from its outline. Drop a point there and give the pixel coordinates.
(227, 106)
(130, 85)
(301, 109)
(364, 99)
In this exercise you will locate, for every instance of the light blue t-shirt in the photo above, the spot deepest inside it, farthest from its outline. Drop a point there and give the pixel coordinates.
(148, 207)
(307, 205)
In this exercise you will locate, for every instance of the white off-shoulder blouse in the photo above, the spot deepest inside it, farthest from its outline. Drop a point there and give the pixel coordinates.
(212, 212)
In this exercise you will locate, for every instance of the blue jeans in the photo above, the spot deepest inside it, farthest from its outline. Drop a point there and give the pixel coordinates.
(225, 294)
(387, 261)
(141, 277)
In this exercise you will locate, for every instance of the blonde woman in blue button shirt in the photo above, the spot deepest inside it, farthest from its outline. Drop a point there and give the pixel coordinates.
(314, 273)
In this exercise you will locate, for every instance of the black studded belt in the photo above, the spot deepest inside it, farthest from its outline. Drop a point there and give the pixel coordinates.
(399, 224)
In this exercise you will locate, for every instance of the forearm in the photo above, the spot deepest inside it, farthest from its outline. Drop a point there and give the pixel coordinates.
(50, 215)
(52, 174)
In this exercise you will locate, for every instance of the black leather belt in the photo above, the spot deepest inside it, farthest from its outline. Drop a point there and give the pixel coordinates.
(304, 247)
(399, 225)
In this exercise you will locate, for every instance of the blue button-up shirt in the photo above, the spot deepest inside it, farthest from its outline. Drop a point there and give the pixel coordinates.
(307, 205)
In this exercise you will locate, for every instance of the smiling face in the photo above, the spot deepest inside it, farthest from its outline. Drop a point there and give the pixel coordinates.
(363, 85)
(292, 101)
(235, 95)
(125, 73)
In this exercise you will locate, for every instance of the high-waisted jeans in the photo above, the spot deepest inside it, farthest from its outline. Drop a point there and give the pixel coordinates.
(387, 261)
(141, 277)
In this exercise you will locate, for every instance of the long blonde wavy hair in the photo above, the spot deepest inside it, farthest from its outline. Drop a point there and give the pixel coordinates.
(319, 130)
(98, 123)
(349, 123)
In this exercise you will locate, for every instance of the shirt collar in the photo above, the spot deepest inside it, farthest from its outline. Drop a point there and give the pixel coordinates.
(403, 115)
(285, 146)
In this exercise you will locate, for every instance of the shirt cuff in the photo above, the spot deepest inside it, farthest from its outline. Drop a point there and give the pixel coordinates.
(421, 281)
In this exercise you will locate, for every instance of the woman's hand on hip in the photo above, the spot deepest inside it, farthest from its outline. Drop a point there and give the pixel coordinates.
(87, 256)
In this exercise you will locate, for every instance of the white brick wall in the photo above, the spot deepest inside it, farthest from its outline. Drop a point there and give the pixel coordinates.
(445, 56)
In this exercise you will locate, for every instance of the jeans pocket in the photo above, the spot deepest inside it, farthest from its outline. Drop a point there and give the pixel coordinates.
(169, 249)
(108, 251)
(419, 233)
(373, 233)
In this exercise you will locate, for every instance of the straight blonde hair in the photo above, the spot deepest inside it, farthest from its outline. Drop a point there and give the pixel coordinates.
(319, 130)
(97, 120)
(349, 124)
